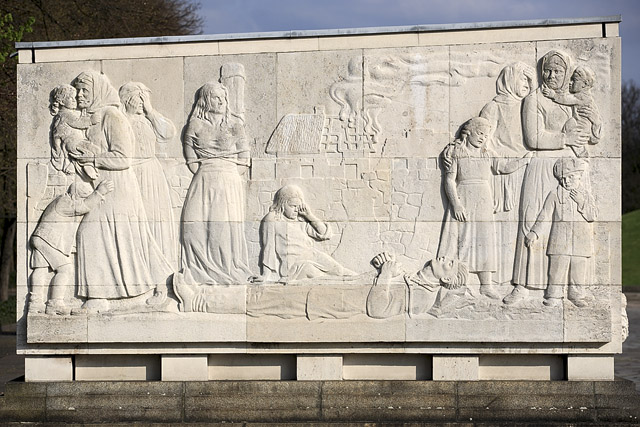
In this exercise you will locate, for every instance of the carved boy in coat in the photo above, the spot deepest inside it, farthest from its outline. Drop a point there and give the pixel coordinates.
(572, 209)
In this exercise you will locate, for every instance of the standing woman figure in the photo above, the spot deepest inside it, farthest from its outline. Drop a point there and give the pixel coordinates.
(117, 256)
(214, 247)
(542, 124)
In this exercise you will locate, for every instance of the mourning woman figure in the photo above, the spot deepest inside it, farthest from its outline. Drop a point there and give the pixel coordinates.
(214, 249)
(504, 114)
(149, 127)
(117, 256)
(542, 122)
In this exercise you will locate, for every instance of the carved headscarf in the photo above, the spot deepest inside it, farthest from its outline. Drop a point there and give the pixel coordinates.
(103, 93)
(506, 85)
(563, 57)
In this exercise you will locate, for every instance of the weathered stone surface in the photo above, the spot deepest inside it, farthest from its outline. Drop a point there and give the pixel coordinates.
(323, 196)
(323, 402)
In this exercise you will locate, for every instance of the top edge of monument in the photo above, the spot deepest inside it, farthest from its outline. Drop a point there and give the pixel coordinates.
(290, 34)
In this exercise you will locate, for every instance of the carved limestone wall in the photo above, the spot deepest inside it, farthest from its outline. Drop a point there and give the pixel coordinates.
(430, 196)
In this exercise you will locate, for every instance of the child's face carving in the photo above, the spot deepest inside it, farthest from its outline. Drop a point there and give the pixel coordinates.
(578, 83)
(479, 136)
(571, 180)
(292, 207)
(70, 102)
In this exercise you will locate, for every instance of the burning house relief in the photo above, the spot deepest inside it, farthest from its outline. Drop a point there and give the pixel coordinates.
(415, 187)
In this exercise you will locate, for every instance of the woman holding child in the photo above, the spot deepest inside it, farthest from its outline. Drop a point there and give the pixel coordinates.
(117, 257)
(543, 121)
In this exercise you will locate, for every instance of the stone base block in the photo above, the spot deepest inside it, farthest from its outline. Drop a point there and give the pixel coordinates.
(185, 367)
(590, 368)
(455, 368)
(353, 402)
(318, 368)
(48, 368)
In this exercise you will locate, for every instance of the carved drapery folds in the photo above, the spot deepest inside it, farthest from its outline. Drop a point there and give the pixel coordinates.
(411, 183)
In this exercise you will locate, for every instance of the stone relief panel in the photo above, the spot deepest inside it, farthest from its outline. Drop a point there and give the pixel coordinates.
(417, 194)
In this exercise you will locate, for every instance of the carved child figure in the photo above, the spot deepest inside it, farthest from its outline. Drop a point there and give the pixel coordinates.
(67, 132)
(572, 210)
(469, 233)
(52, 243)
(585, 113)
(287, 234)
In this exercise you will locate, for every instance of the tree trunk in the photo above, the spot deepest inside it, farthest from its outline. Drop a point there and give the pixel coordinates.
(6, 260)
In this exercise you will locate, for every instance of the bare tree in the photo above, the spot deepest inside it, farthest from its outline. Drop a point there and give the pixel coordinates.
(68, 20)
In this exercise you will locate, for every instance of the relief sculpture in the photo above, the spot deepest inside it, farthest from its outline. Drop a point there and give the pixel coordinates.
(216, 150)
(117, 256)
(505, 213)
(287, 236)
(149, 127)
(572, 209)
(543, 123)
(469, 232)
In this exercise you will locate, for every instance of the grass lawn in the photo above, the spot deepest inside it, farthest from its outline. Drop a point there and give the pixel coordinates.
(631, 248)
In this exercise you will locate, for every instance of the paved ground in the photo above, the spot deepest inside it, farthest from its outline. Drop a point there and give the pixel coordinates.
(627, 363)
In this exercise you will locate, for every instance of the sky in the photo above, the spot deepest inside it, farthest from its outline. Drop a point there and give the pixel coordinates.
(242, 16)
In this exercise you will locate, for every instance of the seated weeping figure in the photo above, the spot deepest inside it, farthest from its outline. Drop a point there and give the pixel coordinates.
(288, 234)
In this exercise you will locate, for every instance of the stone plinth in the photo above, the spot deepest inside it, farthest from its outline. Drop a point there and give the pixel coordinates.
(425, 203)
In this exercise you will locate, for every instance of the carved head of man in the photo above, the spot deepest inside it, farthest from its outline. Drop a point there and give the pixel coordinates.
(451, 273)
(555, 67)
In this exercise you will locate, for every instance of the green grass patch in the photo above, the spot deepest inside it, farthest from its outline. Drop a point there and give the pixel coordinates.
(631, 248)
(8, 311)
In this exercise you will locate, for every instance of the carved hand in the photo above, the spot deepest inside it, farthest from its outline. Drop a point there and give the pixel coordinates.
(588, 112)
(578, 197)
(381, 258)
(389, 270)
(549, 93)
(82, 156)
(459, 212)
(105, 187)
(530, 238)
(146, 103)
(577, 137)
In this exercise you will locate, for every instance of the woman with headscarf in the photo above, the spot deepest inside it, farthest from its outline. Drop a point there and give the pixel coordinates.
(117, 257)
(214, 247)
(504, 113)
(149, 127)
(542, 124)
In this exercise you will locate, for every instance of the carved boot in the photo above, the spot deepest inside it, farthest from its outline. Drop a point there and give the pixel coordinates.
(489, 291)
(92, 306)
(518, 294)
(57, 307)
(183, 291)
(36, 304)
(159, 296)
(577, 296)
(552, 302)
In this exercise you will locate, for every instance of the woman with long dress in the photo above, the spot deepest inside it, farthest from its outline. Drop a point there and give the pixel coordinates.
(116, 255)
(150, 127)
(542, 122)
(214, 248)
(506, 141)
